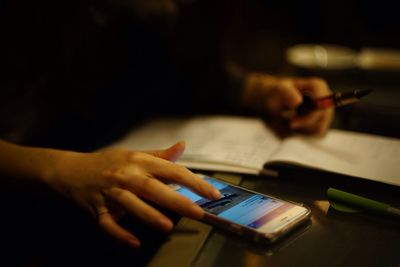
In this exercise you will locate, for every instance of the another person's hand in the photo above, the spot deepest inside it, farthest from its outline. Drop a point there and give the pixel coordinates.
(111, 181)
(274, 95)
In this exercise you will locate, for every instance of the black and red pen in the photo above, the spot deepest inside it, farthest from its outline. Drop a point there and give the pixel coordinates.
(337, 99)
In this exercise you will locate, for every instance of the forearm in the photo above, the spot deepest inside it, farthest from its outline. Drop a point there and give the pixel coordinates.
(28, 163)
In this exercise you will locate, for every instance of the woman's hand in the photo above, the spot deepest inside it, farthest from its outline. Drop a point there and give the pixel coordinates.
(111, 181)
(275, 95)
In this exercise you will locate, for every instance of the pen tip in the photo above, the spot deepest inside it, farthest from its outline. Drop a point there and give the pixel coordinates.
(361, 93)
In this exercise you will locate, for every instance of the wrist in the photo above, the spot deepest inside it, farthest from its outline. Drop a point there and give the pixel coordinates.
(51, 160)
(56, 164)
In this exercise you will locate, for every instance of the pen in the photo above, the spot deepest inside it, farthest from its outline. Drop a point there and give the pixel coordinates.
(337, 99)
(355, 201)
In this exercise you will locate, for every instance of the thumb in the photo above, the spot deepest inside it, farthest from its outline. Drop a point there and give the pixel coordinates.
(172, 153)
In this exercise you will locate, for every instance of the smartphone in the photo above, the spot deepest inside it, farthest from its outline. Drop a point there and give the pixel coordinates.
(256, 216)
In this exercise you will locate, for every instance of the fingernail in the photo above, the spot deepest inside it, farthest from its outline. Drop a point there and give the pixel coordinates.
(165, 224)
(134, 243)
(215, 194)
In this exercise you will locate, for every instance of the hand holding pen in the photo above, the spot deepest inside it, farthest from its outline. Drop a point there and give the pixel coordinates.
(273, 96)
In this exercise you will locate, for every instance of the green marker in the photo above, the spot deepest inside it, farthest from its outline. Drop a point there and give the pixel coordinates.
(344, 201)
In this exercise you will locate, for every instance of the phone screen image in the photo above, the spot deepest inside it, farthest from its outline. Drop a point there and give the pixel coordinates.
(246, 208)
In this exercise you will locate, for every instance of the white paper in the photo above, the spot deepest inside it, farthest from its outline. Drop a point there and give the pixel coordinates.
(236, 141)
(362, 155)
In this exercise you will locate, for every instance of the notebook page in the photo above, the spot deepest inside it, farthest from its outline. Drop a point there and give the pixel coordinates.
(362, 155)
(223, 140)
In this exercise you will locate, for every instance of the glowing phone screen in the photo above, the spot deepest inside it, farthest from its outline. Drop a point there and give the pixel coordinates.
(240, 206)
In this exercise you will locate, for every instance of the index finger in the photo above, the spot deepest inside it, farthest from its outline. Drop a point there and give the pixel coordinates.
(171, 172)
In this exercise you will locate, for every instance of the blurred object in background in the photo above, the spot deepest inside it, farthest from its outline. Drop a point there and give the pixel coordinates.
(262, 30)
(335, 57)
(379, 59)
(321, 56)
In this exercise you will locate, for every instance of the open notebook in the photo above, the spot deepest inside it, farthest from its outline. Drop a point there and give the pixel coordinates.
(246, 145)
